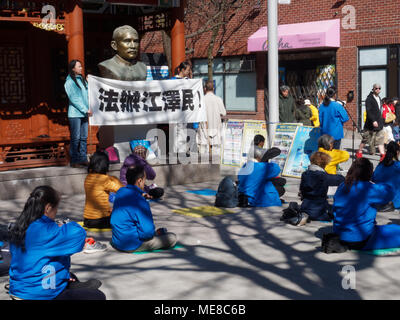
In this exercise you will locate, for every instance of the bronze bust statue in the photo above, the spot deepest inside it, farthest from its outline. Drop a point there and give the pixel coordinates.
(124, 64)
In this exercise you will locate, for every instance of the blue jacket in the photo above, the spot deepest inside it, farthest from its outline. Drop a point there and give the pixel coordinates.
(78, 98)
(354, 214)
(332, 117)
(255, 182)
(48, 249)
(131, 219)
(314, 186)
(391, 176)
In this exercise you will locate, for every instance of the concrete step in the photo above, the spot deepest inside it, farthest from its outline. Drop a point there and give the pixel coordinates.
(18, 184)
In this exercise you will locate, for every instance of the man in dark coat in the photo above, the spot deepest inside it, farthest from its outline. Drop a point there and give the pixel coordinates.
(287, 106)
(373, 128)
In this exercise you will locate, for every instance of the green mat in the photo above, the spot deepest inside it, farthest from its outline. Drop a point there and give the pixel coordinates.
(177, 246)
(380, 252)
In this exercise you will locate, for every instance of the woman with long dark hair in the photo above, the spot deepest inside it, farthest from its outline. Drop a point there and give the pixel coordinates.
(388, 171)
(41, 251)
(332, 116)
(98, 186)
(78, 111)
(354, 210)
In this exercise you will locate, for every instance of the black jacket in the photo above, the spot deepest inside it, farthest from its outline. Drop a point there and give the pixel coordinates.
(373, 113)
(314, 190)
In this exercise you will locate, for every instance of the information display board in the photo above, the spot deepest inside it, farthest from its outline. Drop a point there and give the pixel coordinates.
(305, 142)
(238, 136)
(283, 138)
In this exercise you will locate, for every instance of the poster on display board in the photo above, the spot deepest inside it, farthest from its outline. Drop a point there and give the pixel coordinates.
(232, 143)
(283, 138)
(238, 136)
(305, 142)
(251, 129)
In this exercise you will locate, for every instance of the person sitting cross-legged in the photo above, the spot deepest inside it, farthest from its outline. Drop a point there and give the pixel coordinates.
(255, 181)
(138, 158)
(132, 220)
(314, 188)
(325, 144)
(41, 250)
(354, 210)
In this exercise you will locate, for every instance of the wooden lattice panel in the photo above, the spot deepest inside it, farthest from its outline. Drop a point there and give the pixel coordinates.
(12, 75)
(33, 155)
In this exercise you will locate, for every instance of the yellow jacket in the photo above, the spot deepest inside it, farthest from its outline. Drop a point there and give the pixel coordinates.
(314, 115)
(97, 190)
(337, 156)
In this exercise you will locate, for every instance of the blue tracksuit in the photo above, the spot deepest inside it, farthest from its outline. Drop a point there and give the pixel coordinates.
(255, 182)
(331, 118)
(391, 176)
(42, 271)
(354, 219)
(131, 219)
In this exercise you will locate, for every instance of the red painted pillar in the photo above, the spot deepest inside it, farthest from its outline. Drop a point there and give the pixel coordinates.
(178, 47)
(75, 33)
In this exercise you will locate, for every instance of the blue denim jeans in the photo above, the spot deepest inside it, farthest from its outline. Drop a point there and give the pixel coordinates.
(78, 128)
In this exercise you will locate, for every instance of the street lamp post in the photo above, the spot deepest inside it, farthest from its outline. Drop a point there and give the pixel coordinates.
(273, 72)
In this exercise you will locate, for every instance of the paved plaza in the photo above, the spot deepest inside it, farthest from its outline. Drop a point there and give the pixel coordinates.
(249, 254)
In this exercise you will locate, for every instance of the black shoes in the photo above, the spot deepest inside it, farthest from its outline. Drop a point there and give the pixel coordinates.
(386, 208)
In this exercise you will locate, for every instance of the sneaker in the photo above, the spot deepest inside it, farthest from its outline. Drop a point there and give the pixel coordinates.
(92, 246)
(359, 154)
(303, 220)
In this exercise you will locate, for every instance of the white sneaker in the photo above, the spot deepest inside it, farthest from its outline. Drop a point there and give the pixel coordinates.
(92, 246)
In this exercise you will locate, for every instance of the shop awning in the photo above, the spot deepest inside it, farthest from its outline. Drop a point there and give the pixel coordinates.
(316, 34)
(159, 3)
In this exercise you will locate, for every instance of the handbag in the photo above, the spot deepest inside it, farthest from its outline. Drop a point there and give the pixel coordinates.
(390, 117)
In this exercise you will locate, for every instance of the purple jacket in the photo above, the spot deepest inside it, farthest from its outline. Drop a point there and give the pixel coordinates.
(132, 161)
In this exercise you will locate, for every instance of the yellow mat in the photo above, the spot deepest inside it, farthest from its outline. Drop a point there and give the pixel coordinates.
(93, 229)
(204, 211)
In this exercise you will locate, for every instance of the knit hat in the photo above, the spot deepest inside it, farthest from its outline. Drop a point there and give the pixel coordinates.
(307, 102)
(140, 151)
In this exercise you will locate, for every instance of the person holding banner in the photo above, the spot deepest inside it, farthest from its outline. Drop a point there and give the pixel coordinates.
(78, 111)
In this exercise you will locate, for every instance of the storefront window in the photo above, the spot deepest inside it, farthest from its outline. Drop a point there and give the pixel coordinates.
(234, 80)
(372, 69)
(373, 57)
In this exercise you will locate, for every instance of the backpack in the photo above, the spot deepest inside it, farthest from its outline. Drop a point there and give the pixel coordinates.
(227, 194)
(113, 154)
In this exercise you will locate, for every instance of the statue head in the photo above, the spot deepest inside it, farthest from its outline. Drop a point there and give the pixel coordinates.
(125, 42)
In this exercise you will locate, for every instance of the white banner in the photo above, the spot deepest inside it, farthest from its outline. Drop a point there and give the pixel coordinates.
(115, 102)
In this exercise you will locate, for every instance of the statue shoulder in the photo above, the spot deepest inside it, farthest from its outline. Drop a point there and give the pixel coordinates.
(107, 63)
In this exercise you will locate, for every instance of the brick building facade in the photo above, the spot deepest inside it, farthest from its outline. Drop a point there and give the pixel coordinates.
(368, 52)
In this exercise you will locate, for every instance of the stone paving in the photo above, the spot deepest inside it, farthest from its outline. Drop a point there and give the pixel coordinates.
(249, 254)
